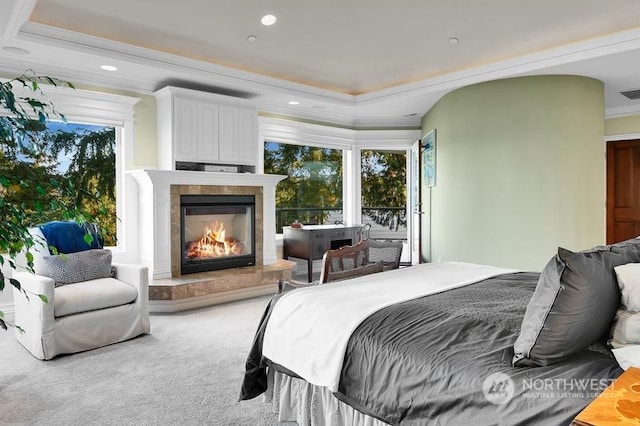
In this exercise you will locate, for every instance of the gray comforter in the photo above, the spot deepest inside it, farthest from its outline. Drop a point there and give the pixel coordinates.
(445, 359)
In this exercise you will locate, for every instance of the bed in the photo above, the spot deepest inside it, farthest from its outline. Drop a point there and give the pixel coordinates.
(459, 352)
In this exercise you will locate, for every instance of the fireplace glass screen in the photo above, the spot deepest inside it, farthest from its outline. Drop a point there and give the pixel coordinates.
(217, 231)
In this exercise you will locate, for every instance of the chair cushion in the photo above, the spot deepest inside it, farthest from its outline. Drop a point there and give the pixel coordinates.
(91, 295)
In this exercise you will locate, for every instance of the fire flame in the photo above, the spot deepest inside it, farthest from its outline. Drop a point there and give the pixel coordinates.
(214, 244)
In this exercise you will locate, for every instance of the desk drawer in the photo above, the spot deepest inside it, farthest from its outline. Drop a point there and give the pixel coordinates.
(341, 234)
(318, 248)
(318, 236)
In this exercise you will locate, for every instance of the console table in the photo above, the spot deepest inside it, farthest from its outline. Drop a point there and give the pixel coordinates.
(311, 241)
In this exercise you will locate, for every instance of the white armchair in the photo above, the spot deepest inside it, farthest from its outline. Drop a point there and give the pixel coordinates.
(82, 315)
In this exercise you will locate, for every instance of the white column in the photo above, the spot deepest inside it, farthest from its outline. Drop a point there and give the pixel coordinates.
(269, 254)
(351, 179)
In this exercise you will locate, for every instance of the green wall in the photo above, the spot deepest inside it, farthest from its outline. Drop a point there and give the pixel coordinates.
(622, 125)
(520, 171)
(146, 134)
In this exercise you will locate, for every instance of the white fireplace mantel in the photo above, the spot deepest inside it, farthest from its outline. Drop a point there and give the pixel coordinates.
(154, 225)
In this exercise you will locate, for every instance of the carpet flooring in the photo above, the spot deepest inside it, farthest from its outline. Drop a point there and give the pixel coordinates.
(186, 372)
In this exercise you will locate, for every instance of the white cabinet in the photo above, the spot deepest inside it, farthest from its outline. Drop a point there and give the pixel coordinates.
(205, 128)
(238, 130)
(208, 138)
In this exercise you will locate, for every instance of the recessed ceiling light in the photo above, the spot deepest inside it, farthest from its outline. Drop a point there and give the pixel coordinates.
(454, 40)
(294, 103)
(413, 114)
(268, 20)
(252, 38)
(109, 68)
(16, 50)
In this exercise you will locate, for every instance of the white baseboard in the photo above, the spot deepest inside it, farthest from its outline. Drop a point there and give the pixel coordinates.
(167, 306)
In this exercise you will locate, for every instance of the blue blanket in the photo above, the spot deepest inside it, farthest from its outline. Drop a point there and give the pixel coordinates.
(71, 237)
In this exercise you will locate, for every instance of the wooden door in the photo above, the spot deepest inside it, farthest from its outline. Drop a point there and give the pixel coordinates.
(623, 190)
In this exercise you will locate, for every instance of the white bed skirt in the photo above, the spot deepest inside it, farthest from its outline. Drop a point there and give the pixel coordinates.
(295, 400)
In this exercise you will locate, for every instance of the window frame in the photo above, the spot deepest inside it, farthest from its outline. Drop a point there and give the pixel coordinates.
(106, 109)
(298, 143)
(407, 180)
(350, 141)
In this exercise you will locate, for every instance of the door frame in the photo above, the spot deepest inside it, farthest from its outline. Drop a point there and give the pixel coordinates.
(612, 138)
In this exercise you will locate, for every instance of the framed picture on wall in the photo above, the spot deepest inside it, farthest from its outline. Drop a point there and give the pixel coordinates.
(429, 158)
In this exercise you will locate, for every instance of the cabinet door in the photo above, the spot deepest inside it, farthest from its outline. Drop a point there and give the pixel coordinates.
(185, 138)
(228, 134)
(208, 141)
(248, 136)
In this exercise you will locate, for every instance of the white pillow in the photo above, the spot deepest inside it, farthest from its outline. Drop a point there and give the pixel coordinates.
(625, 330)
(629, 283)
(629, 356)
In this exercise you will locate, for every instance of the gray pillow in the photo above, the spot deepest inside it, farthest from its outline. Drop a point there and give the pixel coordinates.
(629, 248)
(572, 307)
(75, 267)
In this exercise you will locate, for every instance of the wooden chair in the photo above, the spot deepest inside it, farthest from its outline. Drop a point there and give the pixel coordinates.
(366, 257)
(365, 231)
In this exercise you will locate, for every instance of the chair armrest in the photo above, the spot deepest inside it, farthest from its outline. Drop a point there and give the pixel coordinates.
(35, 284)
(137, 276)
(31, 313)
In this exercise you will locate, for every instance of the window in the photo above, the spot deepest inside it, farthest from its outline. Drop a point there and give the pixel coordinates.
(78, 154)
(312, 194)
(98, 111)
(384, 193)
(86, 155)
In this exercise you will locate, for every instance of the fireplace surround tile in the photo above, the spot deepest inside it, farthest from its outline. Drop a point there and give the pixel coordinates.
(177, 190)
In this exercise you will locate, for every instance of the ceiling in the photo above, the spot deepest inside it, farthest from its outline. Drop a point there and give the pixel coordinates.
(355, 63)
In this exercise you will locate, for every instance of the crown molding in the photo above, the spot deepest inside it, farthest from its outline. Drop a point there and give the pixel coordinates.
(343, 120)
(312, 134)
(82, 105)
(624, 111)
